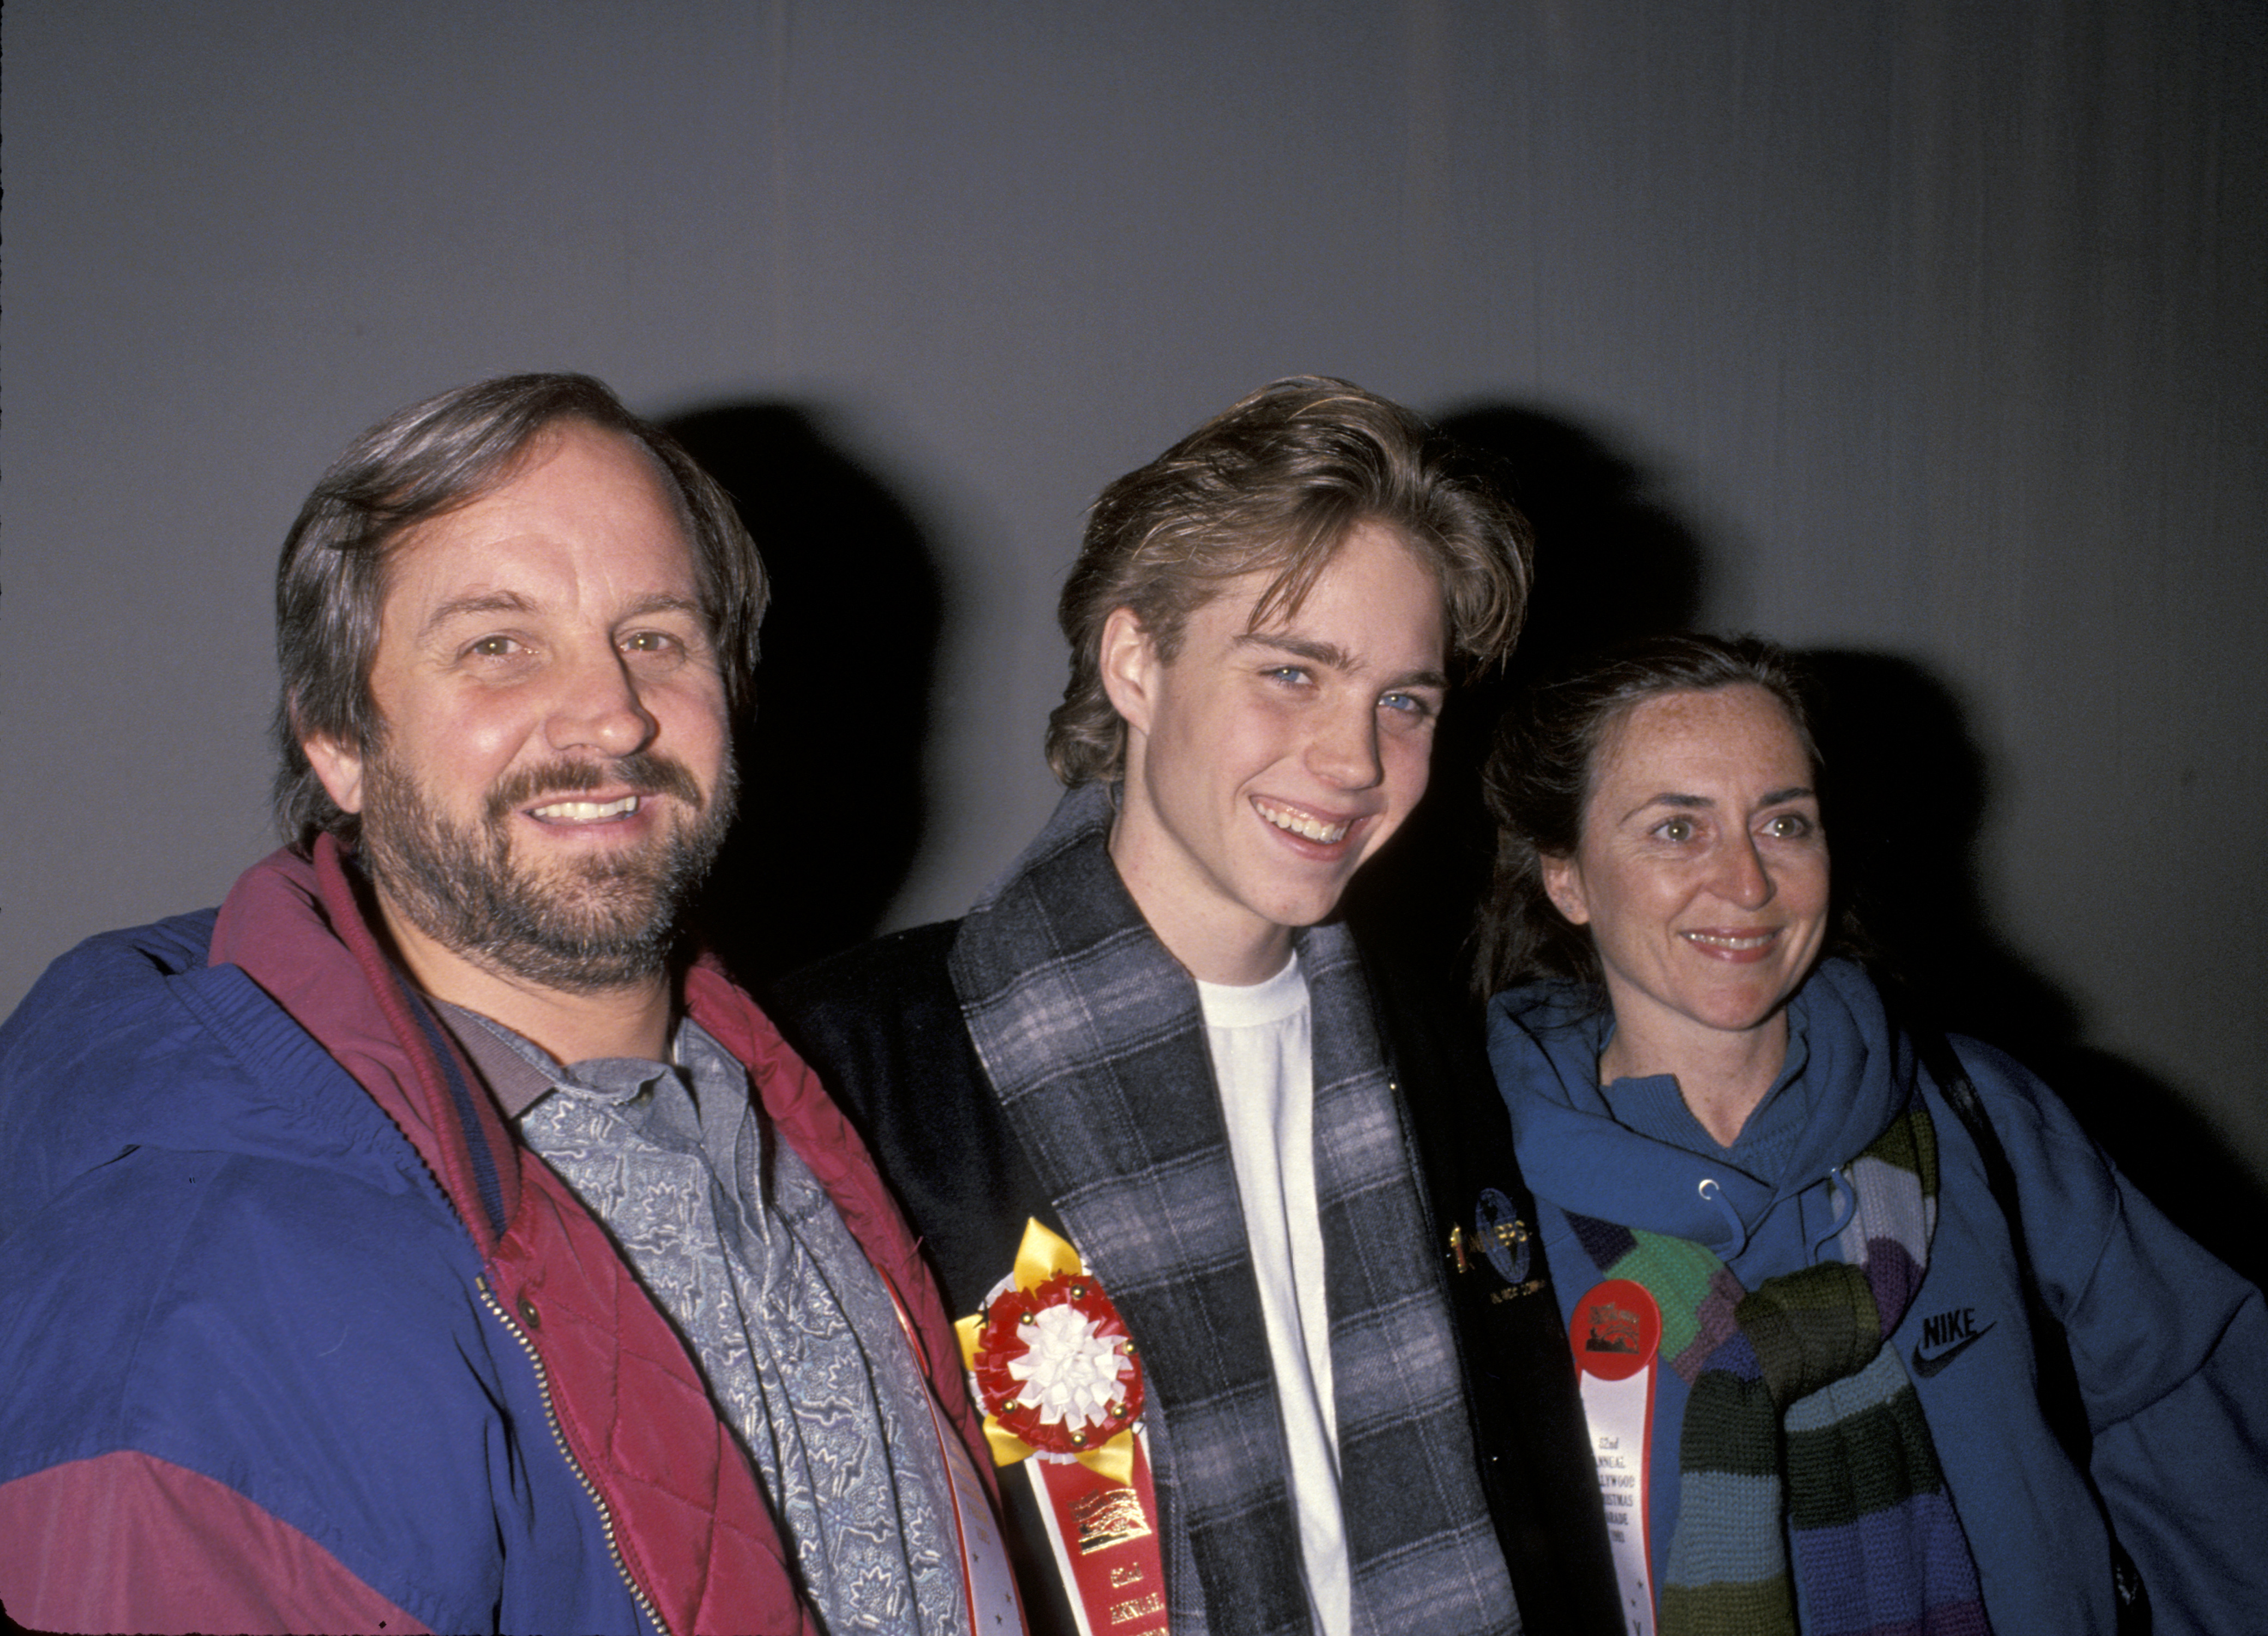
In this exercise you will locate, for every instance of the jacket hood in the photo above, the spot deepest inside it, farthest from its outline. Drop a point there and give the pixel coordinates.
(1544, 1041)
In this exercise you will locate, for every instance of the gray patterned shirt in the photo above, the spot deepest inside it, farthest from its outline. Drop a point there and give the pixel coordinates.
(738, 1242)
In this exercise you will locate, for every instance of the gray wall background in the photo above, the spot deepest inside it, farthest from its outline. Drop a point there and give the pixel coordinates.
(1931, 331)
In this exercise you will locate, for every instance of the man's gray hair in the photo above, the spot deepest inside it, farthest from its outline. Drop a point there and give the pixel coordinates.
(428, 460)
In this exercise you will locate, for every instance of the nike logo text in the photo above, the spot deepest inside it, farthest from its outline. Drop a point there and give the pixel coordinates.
(1958, 1327)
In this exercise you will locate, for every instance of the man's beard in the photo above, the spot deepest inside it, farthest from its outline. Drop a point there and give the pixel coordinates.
(582, 925)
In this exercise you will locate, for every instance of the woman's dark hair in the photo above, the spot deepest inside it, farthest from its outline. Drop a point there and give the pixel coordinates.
(1541, 773)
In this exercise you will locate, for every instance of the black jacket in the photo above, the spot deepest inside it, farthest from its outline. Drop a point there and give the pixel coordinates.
(883, 1027)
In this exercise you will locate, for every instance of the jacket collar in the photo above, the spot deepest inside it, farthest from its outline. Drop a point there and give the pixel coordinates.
(1544, 1043)
(298, 928)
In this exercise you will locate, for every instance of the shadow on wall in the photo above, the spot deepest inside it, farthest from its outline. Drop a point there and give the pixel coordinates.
(1909, 791)
(1909, 794)
(1609, 564)
(831, 804)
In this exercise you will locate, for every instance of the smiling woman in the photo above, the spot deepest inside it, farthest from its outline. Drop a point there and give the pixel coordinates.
(1702, 874)
(1812, 1286)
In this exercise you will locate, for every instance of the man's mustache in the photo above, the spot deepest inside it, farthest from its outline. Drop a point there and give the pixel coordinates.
(641, 772)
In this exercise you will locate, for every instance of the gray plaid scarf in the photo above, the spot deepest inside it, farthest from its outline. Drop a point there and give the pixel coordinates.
(1092, 1038)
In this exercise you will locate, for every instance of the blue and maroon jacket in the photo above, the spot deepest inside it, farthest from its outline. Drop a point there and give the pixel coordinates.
(296, 1337)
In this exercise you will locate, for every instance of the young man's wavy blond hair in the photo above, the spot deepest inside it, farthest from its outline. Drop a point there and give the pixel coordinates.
(1276, 483)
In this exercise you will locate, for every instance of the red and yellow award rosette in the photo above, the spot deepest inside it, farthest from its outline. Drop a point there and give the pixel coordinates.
(1060, 1383)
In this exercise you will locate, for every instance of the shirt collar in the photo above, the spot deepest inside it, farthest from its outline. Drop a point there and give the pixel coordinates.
(520, 1073)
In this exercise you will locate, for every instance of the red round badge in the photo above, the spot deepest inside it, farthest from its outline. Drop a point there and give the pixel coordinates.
(1616, 1329)
(1055, 1366)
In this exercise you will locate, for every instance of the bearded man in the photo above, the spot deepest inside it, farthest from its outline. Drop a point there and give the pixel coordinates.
(420, 1240)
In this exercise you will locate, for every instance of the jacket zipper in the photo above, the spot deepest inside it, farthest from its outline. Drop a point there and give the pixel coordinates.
(559, 1438)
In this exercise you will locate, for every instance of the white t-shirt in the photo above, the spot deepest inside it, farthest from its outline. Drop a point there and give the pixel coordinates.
(1264, 1057)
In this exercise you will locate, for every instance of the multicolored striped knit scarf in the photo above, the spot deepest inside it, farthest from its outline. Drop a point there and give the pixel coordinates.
(1798, 1412)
